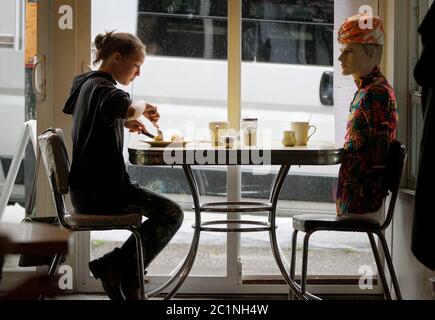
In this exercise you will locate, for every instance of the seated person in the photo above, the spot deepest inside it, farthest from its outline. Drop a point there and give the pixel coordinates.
(99, 182)
(372, 122)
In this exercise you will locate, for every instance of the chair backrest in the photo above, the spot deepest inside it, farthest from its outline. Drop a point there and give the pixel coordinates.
(55, 158)
(395, 167)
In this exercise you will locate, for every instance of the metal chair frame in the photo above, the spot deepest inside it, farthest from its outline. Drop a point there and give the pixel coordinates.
(397, 153)
(59, 200)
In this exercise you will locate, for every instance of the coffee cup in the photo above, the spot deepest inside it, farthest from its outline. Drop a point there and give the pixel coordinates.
(302, 132)
(289, 138)
(217, 129)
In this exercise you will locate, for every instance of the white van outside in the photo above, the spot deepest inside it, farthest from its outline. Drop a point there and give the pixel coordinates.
(287, 53)
(286, 70)
(287, 60)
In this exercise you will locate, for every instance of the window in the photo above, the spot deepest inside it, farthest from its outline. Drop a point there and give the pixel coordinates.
(12, 25)
(190, 29)
(287, 50)
(290, 44)
(17, 104)
(273, 31)
(291, 32)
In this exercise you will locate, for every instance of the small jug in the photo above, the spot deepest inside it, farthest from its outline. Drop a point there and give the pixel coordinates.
(217, 129)
(289, 138)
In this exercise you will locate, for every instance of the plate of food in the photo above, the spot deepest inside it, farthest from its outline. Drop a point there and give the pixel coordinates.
(164, 144)
(176, 142)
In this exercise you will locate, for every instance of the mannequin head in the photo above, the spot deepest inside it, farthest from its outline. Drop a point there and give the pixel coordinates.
(359, 60)
(361, 37)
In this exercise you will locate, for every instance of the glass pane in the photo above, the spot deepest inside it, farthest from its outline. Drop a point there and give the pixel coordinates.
(185, 75)
(293, 10)
(17, 104)
(186, 29)
(210, 8)
(288, 52)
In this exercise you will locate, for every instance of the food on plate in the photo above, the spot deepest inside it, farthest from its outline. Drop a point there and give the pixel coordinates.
(176, 138)
(158, 138)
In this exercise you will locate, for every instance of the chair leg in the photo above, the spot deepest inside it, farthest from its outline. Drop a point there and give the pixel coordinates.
(390, 266)
(140, 264)
(305, 263)
(378, 261)
(52, 270)
(293, 261)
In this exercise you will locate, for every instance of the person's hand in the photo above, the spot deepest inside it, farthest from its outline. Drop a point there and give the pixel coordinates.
(135, 126)
(152, 114)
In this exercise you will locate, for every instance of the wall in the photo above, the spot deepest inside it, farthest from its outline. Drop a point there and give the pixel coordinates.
(400, 42)
(66, 55)
(412, 275)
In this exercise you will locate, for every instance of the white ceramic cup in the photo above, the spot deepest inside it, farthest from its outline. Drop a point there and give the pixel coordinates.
(217, 129)
(302, 132)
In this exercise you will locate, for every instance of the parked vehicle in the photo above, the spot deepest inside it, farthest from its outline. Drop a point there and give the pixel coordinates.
(287, 51)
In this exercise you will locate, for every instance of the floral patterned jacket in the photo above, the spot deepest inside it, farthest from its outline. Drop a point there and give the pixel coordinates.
(372, 124)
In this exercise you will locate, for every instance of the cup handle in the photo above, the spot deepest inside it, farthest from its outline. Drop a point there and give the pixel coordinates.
(315, 129)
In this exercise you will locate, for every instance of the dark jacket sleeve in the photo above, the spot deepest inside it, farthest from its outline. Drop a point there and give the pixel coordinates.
(423, 234)
(114, 104)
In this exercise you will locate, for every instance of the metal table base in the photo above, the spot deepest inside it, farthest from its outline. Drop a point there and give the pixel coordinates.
(183, 272)
(284, 157)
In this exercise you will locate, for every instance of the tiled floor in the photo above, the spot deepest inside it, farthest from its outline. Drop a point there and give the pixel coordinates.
(224, 297)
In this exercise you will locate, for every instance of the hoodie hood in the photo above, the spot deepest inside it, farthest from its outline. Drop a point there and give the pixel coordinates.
(427, 27)
(425, 68)
(78, 83)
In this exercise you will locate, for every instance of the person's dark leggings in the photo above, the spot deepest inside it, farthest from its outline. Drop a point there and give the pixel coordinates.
(164, 218)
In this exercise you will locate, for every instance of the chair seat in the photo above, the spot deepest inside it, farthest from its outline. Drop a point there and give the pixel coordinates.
(309, 222)
(82, 220)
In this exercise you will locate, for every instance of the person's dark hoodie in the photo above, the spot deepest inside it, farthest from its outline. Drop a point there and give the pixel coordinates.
(98, 177)
(425, 69)
(423, 233)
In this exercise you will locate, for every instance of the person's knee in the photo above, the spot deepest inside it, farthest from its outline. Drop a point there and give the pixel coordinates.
(178, 216)
(175, 213)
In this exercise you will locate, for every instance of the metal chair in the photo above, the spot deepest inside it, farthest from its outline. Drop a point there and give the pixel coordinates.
(311, 223)
(55, 159)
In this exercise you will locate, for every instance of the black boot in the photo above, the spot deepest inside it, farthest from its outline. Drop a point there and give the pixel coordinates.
(131, 294)
(130, 287)
(108, 271)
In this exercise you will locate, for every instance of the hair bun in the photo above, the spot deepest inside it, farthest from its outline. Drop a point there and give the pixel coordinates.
(101, 40)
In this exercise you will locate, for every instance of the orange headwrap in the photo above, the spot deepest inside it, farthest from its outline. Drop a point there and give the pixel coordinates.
(363, 29)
